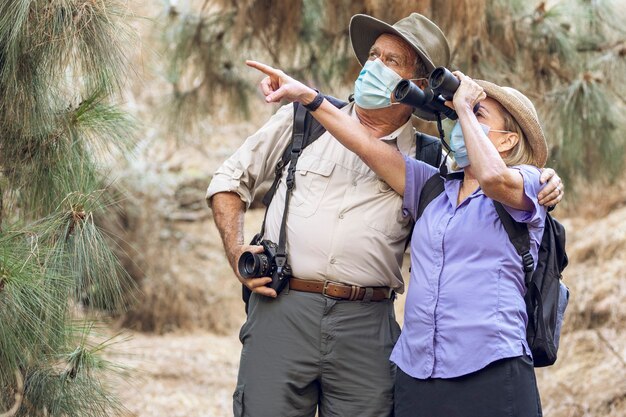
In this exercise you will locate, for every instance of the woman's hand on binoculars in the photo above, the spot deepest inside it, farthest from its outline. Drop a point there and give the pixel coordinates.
(279, 86)
(468, 94)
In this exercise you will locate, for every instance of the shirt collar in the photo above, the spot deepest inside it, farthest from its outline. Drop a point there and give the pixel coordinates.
(404, 136)
(452, 188)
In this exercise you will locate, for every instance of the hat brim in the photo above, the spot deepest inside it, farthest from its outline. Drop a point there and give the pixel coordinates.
(364, 30)
(528, 121)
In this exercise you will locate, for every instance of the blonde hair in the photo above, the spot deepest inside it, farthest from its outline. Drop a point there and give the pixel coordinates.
(521, 153)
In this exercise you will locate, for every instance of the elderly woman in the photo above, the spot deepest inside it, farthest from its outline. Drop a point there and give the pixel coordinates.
(463, 349)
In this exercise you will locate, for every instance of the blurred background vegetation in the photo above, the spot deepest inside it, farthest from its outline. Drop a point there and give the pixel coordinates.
(568, 56)
(113, 115)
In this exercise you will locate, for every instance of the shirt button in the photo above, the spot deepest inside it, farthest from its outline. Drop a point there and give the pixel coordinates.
(341, 215)
(333, 260)
(354, 183)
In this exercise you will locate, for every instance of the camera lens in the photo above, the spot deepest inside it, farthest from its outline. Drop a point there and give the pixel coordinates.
(253, 265)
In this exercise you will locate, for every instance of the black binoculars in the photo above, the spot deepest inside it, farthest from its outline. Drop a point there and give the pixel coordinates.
(442, 85)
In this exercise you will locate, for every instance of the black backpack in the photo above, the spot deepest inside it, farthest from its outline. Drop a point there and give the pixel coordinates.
(428, 149)
(546, 296)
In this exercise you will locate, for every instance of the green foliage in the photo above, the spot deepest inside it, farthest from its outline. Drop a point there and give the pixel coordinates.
(567, 55)
(566, 51)
(588, 131)
(60, 62)
(205, 51)
(202, 71)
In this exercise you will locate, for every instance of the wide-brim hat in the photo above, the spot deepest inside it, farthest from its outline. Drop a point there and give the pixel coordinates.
(420, 33)
(524, 113)
(416, 30)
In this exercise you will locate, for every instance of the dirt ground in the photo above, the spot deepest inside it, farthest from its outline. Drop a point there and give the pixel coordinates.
(179, 375)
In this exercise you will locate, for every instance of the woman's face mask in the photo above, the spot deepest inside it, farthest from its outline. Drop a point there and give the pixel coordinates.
(457, 144)
(375, 84)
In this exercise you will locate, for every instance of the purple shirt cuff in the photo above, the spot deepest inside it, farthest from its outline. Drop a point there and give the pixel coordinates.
(532, 186)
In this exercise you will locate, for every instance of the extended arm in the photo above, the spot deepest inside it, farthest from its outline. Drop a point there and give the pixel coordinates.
(386, 161)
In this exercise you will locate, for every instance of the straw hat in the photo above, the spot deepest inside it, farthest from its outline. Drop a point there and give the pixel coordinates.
(524, 113)
(420, 33)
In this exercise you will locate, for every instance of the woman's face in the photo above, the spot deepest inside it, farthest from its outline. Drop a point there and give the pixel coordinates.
(491, 114)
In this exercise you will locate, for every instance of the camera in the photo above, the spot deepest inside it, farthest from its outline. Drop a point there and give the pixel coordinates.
(266, 264)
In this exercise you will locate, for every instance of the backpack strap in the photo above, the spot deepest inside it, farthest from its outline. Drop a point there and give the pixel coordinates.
(428, 149)
(520, 238)
(432, 188)
(315, 130)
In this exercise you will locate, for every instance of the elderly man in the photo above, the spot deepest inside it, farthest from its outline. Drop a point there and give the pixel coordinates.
(304, 351)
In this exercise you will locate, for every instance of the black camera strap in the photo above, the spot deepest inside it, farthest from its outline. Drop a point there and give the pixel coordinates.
(300, 132)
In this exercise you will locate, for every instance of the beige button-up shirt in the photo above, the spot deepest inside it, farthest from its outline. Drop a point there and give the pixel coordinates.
(344, 223)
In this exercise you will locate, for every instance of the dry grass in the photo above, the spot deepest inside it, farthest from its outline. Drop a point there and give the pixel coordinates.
(588, 379)
(178, 261)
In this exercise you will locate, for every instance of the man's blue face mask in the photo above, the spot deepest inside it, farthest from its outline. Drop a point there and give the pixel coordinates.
(375, 84)
(457, 144)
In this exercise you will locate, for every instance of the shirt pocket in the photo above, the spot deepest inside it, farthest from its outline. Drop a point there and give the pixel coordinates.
(385, 213)
(311, 181)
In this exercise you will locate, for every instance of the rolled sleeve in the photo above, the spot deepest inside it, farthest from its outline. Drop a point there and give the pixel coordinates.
(417, 173)
(532, 186)
(254, 162)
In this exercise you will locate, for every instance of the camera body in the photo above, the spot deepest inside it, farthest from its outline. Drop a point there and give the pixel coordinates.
(266, 264)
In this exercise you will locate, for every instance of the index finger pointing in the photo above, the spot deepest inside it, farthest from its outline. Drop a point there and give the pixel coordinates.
(266, 69)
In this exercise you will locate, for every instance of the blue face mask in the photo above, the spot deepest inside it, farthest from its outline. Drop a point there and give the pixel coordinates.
(375, 84)
(457, 144)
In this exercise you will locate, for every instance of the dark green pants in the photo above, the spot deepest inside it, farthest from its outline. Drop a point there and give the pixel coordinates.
(302, 351)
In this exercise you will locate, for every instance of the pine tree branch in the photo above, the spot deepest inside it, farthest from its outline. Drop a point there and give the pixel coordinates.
(1, 208)
(19, 395)
(560, 72)
(609, 346)
(618, 47)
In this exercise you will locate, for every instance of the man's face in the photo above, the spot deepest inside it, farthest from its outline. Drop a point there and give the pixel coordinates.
(396, 54)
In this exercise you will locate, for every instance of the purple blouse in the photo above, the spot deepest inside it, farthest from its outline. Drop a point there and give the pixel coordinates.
(465, 305)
